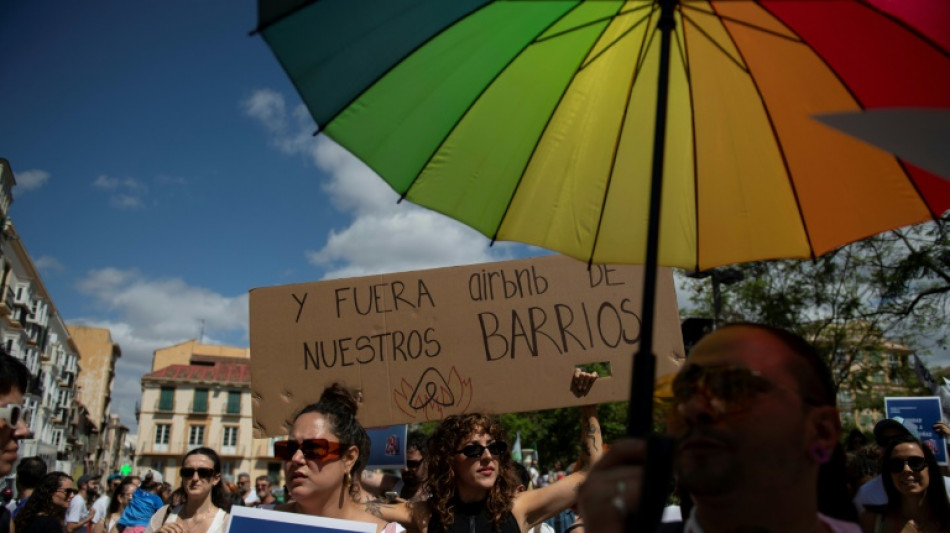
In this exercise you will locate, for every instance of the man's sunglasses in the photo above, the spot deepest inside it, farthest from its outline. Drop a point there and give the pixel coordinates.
(204, 473)
(319, 450)
(413, 463)
(727, 388)
(12, 413)
(477, 450)
(895, 465)
(69, 492)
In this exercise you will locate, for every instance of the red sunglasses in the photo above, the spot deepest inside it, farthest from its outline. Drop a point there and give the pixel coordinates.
(319, 450)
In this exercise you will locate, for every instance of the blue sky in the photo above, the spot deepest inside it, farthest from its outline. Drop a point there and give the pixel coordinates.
(165, 166)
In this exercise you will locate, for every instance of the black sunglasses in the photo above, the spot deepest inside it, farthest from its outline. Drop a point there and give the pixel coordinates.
(733, 388)
(69, 492)
(413, 464)
(895, 465)
(204, 473)
(477, 450)
(319, 450)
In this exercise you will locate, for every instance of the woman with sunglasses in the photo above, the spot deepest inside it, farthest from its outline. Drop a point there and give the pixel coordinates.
(324, 459)
(206, 506)
(473, 483)
(121, 497)
(916, 496)
(45, 511)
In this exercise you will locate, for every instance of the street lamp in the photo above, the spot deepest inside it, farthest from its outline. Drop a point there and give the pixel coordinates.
(719, 276)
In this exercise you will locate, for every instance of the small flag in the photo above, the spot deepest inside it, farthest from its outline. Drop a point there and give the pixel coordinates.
(516, 450)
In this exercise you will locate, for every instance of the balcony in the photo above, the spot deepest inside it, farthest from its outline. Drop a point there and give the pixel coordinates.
(198, 408)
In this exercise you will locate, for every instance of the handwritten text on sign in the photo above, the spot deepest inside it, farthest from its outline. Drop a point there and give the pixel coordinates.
(422, 345)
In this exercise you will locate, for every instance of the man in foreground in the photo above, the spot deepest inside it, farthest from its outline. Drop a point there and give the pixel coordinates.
(753, 420)
(14, 378)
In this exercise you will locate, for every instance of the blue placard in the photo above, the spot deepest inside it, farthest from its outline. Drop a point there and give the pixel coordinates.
(918, 415)
(254, 520)
(387, 447)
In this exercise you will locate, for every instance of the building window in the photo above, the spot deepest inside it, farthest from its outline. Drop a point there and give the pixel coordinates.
(234, 402)
(227, 468)
(196, 436)
(162, 432)
(166, 402)
(229, 440)
(200, 404)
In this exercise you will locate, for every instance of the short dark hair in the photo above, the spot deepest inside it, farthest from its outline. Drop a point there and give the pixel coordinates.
(815, 382)
(13, 374)
(417, 440)
(30, 471)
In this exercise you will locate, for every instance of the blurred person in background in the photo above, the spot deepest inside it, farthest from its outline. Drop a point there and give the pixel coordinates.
(118, 501)
(78, 516)
(916, 498)
(206, 506)
(265, 499)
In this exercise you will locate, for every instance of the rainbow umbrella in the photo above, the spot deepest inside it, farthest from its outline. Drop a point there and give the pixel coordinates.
(656, 132)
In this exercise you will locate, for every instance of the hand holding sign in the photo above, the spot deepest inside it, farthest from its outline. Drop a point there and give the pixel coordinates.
(582, 382)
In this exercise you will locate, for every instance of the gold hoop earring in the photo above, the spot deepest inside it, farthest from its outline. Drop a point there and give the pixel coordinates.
(347, 479)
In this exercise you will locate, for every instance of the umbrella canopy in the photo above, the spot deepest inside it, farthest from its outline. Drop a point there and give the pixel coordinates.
(533, 121)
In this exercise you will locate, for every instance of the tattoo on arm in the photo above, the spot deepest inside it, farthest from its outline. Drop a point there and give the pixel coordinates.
(374, 508)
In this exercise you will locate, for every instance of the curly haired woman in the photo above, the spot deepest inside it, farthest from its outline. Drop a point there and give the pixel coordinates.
(45, 511)
(473, 483)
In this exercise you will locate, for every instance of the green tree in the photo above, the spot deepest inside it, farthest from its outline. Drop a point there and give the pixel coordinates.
(890, 288)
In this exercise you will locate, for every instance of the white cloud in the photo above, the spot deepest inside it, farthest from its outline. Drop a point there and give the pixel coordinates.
(146, 314)
(48, 265)
(382, 236)
(30, 180)
(125, 193)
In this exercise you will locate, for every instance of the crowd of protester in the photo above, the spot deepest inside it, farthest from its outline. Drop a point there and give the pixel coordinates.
(754, 439)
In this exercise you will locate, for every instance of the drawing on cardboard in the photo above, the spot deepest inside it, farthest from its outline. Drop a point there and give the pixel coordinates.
(434, 395)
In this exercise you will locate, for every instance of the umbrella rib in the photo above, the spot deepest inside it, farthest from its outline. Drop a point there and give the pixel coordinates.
(860, 104)
(692, 120)
(396, 63)
(261, 27)
(714, 42)
(461, 116)
(748, 24)
(907, 27)
(591, 23)
(778, 144)
(511, 198)
(644, 46)
(615, 41)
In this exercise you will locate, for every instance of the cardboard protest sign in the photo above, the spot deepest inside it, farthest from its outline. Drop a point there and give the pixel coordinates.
(494, 337)
(255, 520)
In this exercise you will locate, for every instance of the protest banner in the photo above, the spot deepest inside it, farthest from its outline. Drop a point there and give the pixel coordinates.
(255, 520)
(919, 414)
(494, 337)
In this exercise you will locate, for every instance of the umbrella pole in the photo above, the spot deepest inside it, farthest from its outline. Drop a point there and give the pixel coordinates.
(640, 412)
(659, 460)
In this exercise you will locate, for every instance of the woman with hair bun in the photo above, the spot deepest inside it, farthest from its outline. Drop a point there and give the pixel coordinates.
(324, 459)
